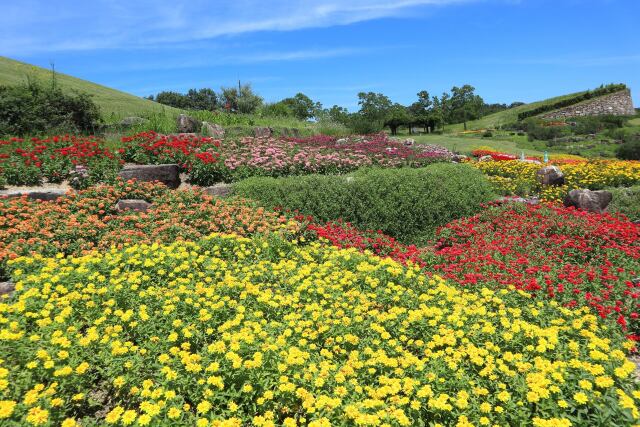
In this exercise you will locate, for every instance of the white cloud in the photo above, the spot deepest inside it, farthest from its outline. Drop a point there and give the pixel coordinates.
(68, 25)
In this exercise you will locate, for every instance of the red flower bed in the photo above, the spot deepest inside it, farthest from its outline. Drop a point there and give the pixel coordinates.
(575, 257)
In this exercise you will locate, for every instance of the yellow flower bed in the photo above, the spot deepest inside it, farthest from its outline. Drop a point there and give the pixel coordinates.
(231, 331)
(519, 178)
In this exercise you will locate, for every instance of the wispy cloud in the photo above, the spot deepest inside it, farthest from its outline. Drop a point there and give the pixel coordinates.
(76, 25)
(573, 60)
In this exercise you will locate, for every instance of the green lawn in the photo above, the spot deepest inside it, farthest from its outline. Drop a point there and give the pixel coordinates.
(466, 145)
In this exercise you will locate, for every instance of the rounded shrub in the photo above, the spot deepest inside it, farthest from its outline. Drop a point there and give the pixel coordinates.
(406, 203)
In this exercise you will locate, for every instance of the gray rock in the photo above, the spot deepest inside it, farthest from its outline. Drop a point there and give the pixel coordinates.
(187, 124)
(7, 288)
(459, 158)
(137, 205)
(213, 130)
(169, 174)
(550, 175)
(409, 142)
(342, 141)
(636, 281)
(486, 158)
(132, 121)
(219, 190)
(528, 201)
(262, 132)
(592, 201)
(46, 195)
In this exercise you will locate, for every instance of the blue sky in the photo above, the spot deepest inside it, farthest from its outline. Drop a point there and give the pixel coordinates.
(510, 50)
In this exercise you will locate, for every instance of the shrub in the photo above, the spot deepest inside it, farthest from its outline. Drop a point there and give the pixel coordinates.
(231, 331)
(626, 201)
(406, 203)
(630, 150)
(35, 109)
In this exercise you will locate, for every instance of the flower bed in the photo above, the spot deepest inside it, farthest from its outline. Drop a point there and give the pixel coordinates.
(513, 177)
(574, 257)
(88, 220)
(233, 331)
(207, 160)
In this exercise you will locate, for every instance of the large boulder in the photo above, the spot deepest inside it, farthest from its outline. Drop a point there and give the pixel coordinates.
(550, 175)
(44, 194)
(219, 190)
(137, 205)
(262, 132)
(592, 201)
(187, 124)
(213, 130)
(169, 174)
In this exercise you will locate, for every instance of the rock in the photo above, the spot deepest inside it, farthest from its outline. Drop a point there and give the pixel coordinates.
(485, 158)
(262, 132)
(342, 141)
(137, 205)
(132, 121)
(592, 201)
(459, 158)
(213, 130)
(7, 288)
(187, 124)
(550, 175)
(46, 195)
(169, 174)
(528, 201)
(219, 190)
(636, 281)
(409, 142)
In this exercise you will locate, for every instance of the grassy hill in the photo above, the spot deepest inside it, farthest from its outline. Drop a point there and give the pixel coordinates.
(113, 103)
(507, 116)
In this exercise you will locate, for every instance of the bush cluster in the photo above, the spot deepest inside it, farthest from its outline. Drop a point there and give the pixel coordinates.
(33, 109)
(408, 204)
(626, 201)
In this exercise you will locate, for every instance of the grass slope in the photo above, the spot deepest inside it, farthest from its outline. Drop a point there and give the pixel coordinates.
(113, 103)
(506, 116)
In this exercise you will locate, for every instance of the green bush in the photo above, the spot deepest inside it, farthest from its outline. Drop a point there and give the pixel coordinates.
(626, 201)
(630, 150)
(33, 108)
(408, 204)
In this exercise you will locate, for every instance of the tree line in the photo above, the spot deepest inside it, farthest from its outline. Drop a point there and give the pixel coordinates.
(376, 111)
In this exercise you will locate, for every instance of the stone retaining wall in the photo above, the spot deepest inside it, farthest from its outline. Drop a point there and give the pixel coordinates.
(617, 104)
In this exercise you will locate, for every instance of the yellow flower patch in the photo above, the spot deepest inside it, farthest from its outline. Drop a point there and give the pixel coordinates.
(231, 331)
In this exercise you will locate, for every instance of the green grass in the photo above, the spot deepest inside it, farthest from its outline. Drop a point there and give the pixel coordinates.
(114, 104)
(506, 116)
(465, 144)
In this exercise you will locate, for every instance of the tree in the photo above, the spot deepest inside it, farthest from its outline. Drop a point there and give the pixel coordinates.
(276, 109)
(396, 116)
(441, 110)
(421, 110)
(173, 99)
(338, 114)
(203, 99)
(302, 106)
(465, 103)
(374, 106)
(240, 101)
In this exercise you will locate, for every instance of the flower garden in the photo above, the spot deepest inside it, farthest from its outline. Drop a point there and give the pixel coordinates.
(219, 312)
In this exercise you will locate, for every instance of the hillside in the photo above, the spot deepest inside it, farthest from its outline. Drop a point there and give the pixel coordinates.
(507, 116)
(113, 103)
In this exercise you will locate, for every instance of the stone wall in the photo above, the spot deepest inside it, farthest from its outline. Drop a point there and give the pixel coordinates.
(617, 104)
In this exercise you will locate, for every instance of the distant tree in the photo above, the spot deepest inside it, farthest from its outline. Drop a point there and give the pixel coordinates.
(338, 114)
(150, 98)
(466, 105)
(173, 99)
(397, 115)
(421, 110)
(492, 108)
(202, 99)
(241, 101)
(374, 106)
(516, 104)
(441, 110)
(302, 106)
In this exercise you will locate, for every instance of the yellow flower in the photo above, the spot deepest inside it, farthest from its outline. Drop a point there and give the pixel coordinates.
(580, 397)
(69, 422)
(203, 407)
(37, 416)
(128, 417)
(6, 408)
(174, 413)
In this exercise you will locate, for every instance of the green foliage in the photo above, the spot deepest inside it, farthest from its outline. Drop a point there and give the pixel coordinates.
(590, 94)
(302, 107)
(630, 150)
(276, 109)
(626, 201)
(33, 109)
(195, 99)
(240, 100)
(537, 130)
(406, 203)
